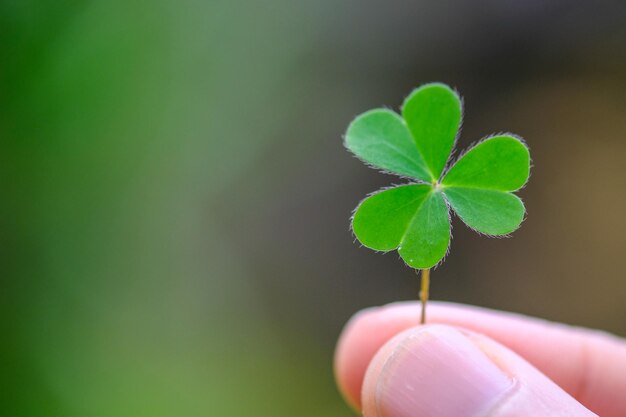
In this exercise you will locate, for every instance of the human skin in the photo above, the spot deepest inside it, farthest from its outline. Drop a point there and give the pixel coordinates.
(469, 361)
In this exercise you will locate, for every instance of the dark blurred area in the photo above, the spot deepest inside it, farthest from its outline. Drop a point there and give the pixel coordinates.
(174, 194)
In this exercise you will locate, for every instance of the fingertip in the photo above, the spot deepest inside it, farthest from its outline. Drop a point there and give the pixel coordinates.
(433, 370)
(596, 379)
(362, 336)
(349, 352)
(442, 371)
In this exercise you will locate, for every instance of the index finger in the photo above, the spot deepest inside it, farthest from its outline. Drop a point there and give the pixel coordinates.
(588, 364)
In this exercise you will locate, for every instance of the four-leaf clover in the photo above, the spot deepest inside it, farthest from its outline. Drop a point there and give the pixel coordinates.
(415, 218)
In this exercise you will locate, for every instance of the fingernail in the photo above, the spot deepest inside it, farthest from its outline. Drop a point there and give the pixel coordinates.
(439, 372)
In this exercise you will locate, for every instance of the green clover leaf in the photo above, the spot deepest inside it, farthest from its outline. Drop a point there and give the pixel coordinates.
(415, 218)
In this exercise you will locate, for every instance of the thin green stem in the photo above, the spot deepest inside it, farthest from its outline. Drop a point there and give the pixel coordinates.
(424, 292)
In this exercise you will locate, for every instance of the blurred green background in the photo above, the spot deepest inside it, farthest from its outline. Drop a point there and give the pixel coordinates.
(174, 195)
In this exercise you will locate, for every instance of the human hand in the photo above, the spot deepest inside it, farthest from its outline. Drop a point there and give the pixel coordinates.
(475, 362)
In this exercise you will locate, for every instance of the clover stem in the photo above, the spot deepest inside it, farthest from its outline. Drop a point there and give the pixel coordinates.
(424, 293)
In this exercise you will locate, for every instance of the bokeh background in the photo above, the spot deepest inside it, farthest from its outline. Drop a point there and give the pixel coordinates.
(174, 194)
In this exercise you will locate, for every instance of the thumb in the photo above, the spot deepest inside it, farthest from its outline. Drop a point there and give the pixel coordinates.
(440, 371)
